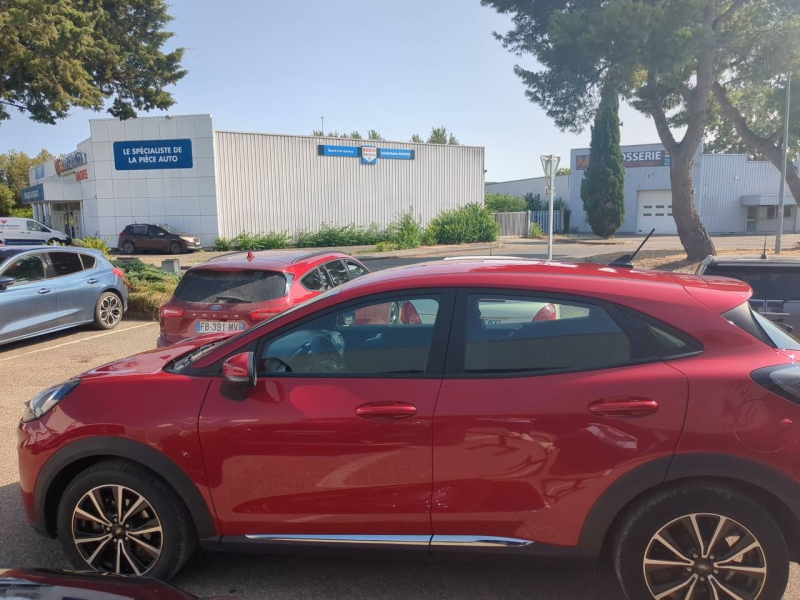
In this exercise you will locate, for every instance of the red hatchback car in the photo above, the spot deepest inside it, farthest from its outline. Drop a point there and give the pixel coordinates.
(653, 418)
(236, 291)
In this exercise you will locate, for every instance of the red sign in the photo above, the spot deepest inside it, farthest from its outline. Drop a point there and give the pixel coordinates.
(82, 175)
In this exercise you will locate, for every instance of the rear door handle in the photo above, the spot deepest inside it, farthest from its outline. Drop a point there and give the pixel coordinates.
(92, 280)
(44, 291)
(623, 407)
(386, 411)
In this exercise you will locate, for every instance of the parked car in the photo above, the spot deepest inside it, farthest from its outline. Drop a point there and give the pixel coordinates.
(30, 584)
(46, 289)
(15, 232)
(654, 417)
(148, 237)
(233, 292)
(775, 282)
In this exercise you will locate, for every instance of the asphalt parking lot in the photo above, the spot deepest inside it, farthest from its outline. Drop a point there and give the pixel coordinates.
(26, 368)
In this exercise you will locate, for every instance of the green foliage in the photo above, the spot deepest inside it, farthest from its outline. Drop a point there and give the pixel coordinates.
(260, 241)
(469, 223)
(534, 202)
(318, 133)
(222, 243)
(346, 235)
(23, 212)
(428, 237)
(95, 242)
(374, 136)
(15, 166)
(60, 54)
(386, 247)
(567, 219)
(564, 171)
(603, 187)
(405, 231)
(439, 136)
(354, 135)
(536, 231)
(7, 201)
(149, 287)
(500, 203)
(417, 139)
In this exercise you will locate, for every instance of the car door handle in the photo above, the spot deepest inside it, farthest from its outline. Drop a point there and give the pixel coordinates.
(623, 407)
(92, 280)
(386, 411)
(44, 291)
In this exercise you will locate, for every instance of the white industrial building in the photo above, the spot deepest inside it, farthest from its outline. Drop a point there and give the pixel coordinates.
(181, 171)
(732, 193)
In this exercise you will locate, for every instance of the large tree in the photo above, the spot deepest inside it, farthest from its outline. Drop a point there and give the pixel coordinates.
(15, 169)
(59, 54)
(603, 186)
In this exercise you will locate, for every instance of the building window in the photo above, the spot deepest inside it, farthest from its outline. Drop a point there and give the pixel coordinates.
(787, 212)
(752, 213)
(772, 212)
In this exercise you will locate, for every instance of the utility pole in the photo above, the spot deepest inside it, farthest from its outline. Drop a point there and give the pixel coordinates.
(322, 127)
(784, 160)
(550, 164)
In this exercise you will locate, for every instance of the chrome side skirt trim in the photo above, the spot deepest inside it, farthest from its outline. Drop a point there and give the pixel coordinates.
(441, 541)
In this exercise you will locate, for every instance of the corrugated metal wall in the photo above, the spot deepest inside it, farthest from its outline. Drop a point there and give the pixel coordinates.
(536, 185)
(279, 182)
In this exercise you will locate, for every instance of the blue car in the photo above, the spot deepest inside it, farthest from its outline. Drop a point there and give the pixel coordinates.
(46, 288)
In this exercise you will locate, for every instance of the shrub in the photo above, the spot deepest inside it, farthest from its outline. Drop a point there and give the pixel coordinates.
(534, 202)
(504, 203)
(260, 241)
(385, 246)
(405, 232)
(94, 242)
(428, 237)
(536, 231)
(469, 223)
(149, 286)
(346, 235)
(23, 212)
(222, 243)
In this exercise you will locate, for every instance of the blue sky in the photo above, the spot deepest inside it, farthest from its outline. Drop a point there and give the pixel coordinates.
(398, 67)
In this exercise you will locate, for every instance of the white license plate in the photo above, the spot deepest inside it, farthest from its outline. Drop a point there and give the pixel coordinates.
(219, 326)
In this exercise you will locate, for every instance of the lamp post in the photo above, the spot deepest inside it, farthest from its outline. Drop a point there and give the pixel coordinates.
(784, 160)
(550, 165)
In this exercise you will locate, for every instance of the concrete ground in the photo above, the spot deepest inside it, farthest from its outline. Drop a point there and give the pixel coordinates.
(28, 367)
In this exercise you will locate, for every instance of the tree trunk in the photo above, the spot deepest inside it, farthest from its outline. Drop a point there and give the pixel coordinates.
(694, 236)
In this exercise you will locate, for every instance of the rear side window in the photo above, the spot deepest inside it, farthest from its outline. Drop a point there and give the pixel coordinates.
(89, 262)
(744, 317)
(136, 229)
(231, 287)
(513, 334)
(315, 281)
(65, 263)
(666, 341)
(770, 282)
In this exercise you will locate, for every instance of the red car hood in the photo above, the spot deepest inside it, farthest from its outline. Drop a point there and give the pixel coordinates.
(152, 361)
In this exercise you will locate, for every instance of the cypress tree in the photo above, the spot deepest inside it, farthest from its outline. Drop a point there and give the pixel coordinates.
(603, 186)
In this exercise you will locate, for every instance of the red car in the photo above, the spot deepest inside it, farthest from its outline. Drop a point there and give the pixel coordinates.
(234, 292)
(652, 418)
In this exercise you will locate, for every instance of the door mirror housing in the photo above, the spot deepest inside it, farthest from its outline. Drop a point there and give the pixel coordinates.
(6, 281)
(240, 370)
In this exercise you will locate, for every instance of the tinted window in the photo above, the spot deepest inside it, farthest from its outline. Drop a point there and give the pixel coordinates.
(368, 340)
(65, 263)
(664, 340)
(337, 272)
(26, 269)
(512, 334)
(137, 229)
(355, 269)
(34, 226)
(171, 229)
(315, 281)
(744, 317)
(155, 230)
(769, 282)
(89, 262)
(230, 287)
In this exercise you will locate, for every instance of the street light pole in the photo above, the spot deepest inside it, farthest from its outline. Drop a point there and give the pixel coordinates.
(550, 164)
(322, 119)
(784, 160)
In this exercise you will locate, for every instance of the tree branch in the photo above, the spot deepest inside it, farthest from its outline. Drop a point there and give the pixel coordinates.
(659, 116)
(728, 14)
(19, 106)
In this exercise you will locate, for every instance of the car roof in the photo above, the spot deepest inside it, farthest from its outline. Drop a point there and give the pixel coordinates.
(752, 260)
(7, 252)
(279, 260)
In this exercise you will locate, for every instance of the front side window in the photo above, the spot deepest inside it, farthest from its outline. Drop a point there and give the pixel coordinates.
(34, 226)
(65, 263)
(316, 281)
(230, 287)
(514, 334)
(371, 339)
(337, 272)
(171, 229)
(26, 269)
(355, 269)
(154, 231)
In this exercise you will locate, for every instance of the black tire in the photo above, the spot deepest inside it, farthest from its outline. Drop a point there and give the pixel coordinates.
(178, 540)
(176, 248)
(54, 242)
(108, 311)
(128, 248)
(641, 524)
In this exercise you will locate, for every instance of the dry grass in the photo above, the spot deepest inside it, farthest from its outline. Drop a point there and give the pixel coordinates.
(675, 260)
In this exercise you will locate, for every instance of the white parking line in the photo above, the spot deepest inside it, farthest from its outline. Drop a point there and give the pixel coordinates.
(91, 337)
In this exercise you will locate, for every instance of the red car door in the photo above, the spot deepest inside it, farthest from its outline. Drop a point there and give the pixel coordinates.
(535, 420)
(334, 443)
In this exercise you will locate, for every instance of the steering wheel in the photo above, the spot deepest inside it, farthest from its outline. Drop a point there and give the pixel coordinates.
(276, 365)
(325, 357)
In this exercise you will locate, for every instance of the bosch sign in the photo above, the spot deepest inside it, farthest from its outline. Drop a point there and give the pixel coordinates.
(70, 162)
(631, 160)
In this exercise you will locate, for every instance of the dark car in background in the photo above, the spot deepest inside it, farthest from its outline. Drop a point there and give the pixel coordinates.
(775, 282)
(163, 238)
(234, 292)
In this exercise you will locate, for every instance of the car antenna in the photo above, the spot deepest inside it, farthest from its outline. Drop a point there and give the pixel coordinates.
(626, 260)
(764, 254)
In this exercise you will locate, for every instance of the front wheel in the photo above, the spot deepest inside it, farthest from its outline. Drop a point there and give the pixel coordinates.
(701, 543)
(119, 517)
(107, 311)
(175, 248)
(55, 242)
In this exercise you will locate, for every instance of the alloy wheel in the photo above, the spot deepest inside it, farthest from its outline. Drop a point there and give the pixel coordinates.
(116, 530)
(110, 310)
(704, 556)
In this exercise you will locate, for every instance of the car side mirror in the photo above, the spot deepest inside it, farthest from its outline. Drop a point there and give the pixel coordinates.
(162, 234)
(6, 281)
(240, 370)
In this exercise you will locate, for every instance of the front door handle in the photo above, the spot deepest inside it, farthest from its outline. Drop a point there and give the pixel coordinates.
(44, 291)
(92, 280)
(623, 407)
(386, 411)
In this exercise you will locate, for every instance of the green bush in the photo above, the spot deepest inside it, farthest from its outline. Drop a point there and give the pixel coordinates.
(346, 235)
(498, 203)
(428, 237)
(94, 242)
(536, 231)
(149, 287)
(469, 223)
(222, 243)
(23, 212)
(534, 202)
(404, 232)
(260, 241)
(385, 246)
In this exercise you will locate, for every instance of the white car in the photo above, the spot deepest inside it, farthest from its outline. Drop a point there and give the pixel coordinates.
(15, 231)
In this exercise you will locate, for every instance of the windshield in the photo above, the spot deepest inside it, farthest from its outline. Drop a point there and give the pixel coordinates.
(171, 229)
(768, 282)
(207, 286)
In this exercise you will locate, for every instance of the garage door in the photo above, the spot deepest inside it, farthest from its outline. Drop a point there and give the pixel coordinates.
(655, 211)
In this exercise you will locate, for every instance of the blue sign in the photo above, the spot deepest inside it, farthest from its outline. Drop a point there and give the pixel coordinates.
(324, 150)
(38, 172)
(153, 154)
(398, 153)
(35, 193)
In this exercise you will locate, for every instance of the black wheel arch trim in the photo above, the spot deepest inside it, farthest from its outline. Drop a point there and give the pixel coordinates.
(113, 447)
(673, 469)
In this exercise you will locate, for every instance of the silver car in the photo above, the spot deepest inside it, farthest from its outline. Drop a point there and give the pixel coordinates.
(45, 289)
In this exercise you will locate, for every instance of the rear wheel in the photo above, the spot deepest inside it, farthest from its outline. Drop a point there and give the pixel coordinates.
(118, 517)
(128, 248)
(175, 248)
(701, 543)
(107, 311)
(54, 242)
